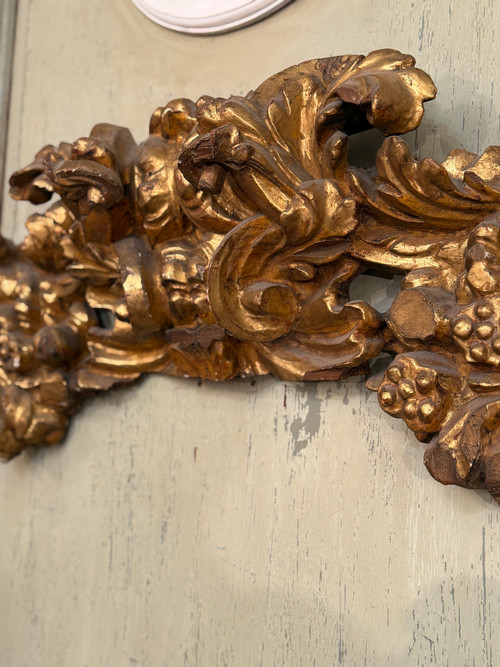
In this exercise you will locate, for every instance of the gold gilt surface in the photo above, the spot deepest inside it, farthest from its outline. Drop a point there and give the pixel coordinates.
(225, 245)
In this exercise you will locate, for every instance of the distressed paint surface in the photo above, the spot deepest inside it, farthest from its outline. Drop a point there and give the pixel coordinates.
(248, 523)
(8, 10)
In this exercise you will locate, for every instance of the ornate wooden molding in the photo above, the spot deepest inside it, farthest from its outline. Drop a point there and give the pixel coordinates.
(225, 245)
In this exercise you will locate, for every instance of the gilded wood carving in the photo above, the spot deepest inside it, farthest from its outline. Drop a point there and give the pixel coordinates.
(226, 243)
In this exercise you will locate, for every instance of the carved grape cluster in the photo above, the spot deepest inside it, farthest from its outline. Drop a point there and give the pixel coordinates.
(35, 415)
(476, 330)
(411, 390)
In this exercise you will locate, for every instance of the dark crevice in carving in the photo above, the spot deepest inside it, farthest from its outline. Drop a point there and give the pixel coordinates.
(363, 148)
(105, 318)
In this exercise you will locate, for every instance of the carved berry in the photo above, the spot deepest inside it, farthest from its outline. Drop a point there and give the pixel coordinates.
(388, 395)
(462, 327)
(478, 351)
(485, 330)
(426, 379)
(484, 310)
(411, 409)
(427, 411)
(495, 344)
(406, 389)
(394, 372)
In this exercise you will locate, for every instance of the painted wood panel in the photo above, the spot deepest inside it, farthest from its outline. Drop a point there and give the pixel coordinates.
(8, 11)
(251, 523)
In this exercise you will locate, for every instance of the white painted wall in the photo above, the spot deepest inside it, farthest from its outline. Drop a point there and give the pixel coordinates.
(241, 524)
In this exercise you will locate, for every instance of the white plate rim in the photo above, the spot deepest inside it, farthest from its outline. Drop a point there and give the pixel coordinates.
(214, 23)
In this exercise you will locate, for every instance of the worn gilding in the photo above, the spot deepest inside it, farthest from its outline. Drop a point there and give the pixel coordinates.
(225, 245)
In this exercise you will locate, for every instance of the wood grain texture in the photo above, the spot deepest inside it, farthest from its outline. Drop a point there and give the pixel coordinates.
(247, 523)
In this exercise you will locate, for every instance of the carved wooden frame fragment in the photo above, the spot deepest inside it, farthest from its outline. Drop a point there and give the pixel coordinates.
(225, 245)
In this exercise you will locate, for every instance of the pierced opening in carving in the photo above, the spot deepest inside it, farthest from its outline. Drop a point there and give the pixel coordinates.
(105, 317)
(381, 363)
(379, 291)
(363, 148)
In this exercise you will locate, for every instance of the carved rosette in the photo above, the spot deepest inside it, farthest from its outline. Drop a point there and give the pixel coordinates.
(225, 245)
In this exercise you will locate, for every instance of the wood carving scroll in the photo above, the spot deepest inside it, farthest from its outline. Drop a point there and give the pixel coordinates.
(226, 243)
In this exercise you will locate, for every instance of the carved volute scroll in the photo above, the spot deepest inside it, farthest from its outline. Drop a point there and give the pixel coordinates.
(225, 245)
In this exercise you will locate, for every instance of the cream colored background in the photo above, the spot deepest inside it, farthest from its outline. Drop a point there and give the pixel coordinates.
(241, 524)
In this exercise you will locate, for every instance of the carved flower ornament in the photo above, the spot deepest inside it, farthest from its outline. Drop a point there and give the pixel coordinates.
(226, 243)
